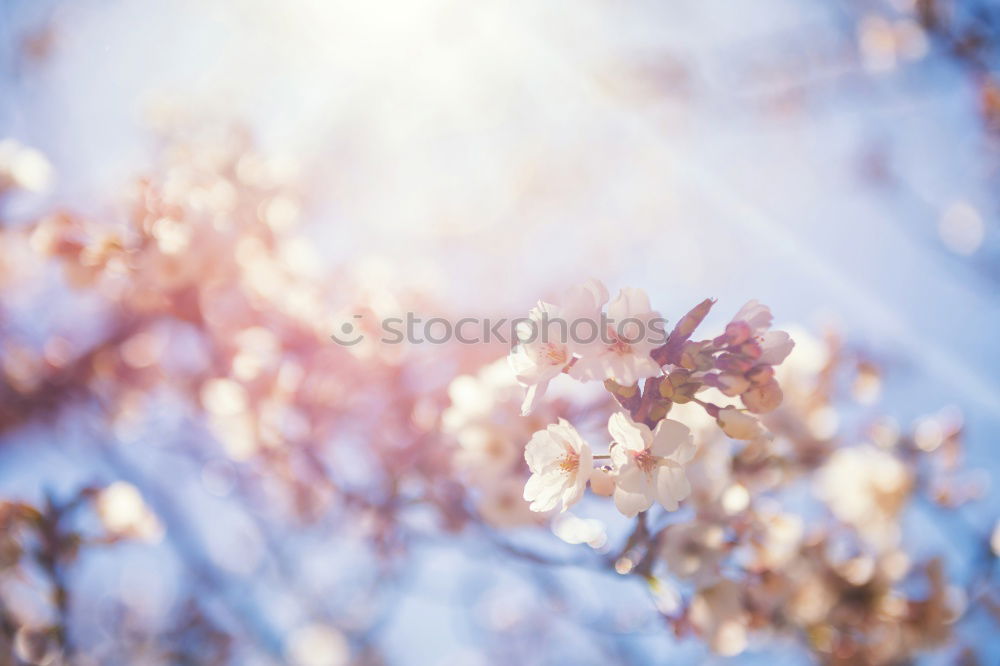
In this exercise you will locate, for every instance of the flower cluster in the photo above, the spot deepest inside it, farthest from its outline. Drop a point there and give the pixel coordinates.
(649, 451)
(743, 562)
(756, 526)
(482, 421)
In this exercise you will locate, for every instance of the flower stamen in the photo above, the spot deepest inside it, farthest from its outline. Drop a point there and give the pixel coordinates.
(554, 354)
(646, 461)
(570, 463)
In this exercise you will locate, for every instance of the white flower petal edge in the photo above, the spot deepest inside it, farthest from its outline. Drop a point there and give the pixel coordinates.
(775, 346)
(543, 348)
(539, 356)
(585, 300)
(649, 464)
(622, 353)
(739, 425)
(628, 434)
(756, 315)
(560, 462)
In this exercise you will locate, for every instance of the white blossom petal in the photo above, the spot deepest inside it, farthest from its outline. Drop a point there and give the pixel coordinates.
(671, 485)
(633, 493)
(585, 299)
(668, 437)
(560, 462)
(775, 347)
(756, 315)
(630, 302)
(739, 425)
(631, 435)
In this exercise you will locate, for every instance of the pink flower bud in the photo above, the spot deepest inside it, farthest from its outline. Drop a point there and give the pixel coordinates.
(671, 351)
(751, 349)
(731, 363)
(761, 375)
(685, 327)
(602, 482)
(732, 385)
(738, 425)
(738, 332)
(763, 398)
(694, 358)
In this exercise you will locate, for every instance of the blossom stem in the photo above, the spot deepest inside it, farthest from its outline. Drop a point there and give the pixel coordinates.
(711, 408)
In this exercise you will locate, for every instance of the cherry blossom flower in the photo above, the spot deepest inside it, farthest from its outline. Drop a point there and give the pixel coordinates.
(536, 363)
(649, 463)
(488, 436)
(560, 462)
(476, 398)
(485, 452)
(752, 324)
(481, 420)
(865, 487)
(750, 350)
(622, 353)
(543, 349)
(754, 316)
(502, 505)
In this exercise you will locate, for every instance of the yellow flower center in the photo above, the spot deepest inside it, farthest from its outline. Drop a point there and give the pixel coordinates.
(555, 354)
(618, 345)
(645, 460)
(570, 463)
